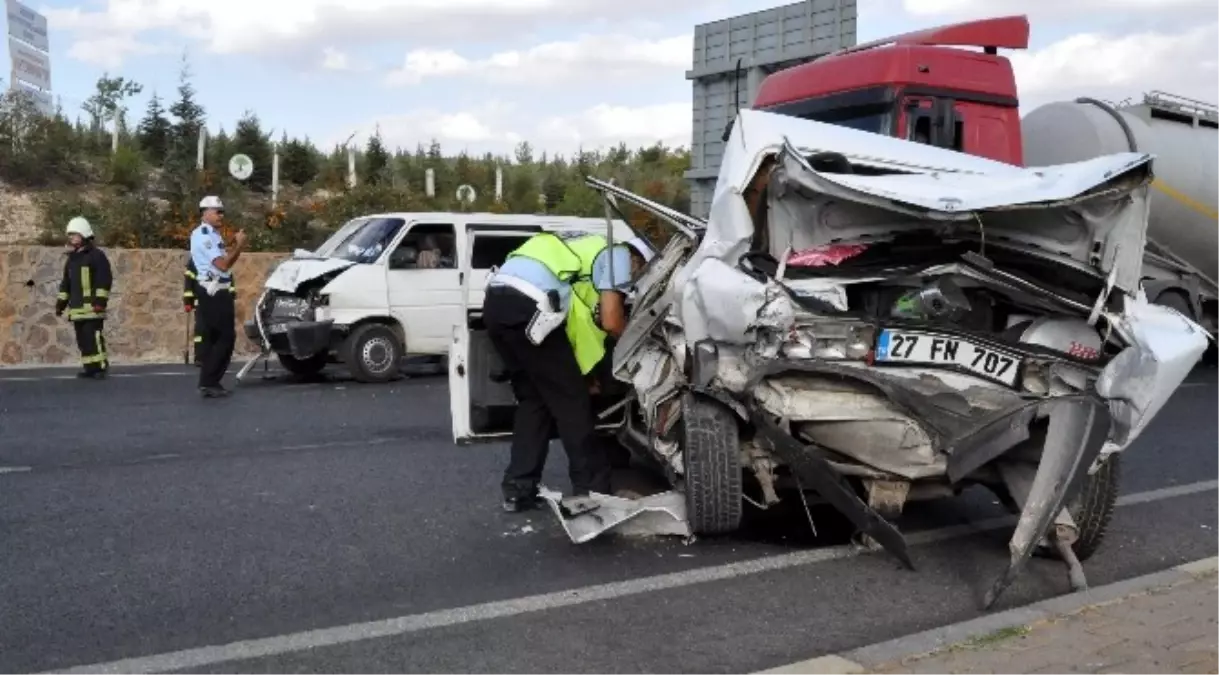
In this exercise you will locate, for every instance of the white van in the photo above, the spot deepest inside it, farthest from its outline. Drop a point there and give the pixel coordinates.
(387, 285)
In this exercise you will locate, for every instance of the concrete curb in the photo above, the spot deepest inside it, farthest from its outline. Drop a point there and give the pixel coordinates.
(920, 644)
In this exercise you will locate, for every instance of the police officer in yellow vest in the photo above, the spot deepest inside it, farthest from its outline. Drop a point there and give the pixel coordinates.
(549, 341)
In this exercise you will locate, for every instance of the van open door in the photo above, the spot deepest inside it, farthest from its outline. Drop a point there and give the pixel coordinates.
(481, 402)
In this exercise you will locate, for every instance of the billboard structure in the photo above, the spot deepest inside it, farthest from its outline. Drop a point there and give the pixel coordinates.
(763, 42)
(28, 48)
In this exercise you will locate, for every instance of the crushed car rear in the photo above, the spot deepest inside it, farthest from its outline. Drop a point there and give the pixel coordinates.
(873, 322)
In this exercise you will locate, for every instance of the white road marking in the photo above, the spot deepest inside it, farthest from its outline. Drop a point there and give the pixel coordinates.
(15, 469)
(337, 635)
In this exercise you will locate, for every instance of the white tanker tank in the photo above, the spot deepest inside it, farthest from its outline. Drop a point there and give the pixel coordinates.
(1183, 134)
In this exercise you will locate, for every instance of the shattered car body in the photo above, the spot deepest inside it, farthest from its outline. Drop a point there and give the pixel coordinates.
(873, 321)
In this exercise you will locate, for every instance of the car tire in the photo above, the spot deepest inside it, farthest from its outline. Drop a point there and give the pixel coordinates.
(307, 367)
(1176, 300)
(1092, 507)
(373, 353)
(711, 456)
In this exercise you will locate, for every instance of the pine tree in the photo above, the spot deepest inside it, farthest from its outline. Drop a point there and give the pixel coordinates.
(154, 131)
(189, 118)
(298, 163)
(249, 140)
(376, 160)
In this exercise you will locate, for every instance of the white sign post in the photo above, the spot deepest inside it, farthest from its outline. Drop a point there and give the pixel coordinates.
(241, 166)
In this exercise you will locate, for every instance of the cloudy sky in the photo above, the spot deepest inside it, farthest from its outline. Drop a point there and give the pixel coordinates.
(483, 74)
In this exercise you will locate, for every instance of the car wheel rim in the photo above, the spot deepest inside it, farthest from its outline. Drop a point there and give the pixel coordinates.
(377, 355)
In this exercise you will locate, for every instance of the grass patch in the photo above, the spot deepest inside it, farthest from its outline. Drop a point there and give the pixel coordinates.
(991, 639)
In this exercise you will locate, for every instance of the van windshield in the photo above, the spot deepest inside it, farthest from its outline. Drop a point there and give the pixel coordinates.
(361, 240)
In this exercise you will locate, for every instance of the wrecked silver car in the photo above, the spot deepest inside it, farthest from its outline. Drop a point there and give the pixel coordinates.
(873, 321)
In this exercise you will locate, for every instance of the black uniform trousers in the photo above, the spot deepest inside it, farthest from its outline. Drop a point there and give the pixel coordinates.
(551, 393)
(92, 344)
(200, 331)
(219, 335)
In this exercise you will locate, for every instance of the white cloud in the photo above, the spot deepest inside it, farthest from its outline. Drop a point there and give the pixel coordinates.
(1118, 67)
(333, 59)
(497, 128)
(586, 59)
(109, 51)
(283, 28)
(981, 8)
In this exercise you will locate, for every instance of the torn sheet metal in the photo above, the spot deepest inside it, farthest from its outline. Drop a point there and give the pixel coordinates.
(1060, 220)
(1140, 380)
(978, 183)
(586, 518)
(296, 271)
(1078, 427)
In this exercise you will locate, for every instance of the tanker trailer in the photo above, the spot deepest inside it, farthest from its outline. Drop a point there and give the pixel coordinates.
(1180, 267)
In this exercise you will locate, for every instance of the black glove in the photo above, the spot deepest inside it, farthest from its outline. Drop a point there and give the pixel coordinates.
(60, 306)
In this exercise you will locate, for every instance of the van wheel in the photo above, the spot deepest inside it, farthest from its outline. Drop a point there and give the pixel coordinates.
(373, 353)
(304, 367)
(711, 454)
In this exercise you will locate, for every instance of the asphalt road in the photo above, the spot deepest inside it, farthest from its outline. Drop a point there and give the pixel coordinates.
(333, 527)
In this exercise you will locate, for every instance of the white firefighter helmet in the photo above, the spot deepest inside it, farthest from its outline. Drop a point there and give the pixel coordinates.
(79, 225)
(642, 248)
(211, 202)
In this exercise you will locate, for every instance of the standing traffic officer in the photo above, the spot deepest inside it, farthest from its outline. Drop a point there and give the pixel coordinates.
(214, 270)
(84, 292)
(548, 312)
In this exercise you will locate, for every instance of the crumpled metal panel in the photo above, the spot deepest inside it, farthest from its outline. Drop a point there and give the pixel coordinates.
(586, 518)
(1078, 428)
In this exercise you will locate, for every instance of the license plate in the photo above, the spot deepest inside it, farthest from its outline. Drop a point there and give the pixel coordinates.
(899, 346)
(279, 328)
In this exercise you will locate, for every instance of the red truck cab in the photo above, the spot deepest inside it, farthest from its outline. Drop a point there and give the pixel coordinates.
(919, 86)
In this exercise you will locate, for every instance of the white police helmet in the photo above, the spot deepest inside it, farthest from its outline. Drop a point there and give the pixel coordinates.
(79, 225)
(211, 202)
(642, 248)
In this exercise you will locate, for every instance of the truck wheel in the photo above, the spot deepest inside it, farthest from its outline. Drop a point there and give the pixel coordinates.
(373, 353)
(712, 460)
(1092, 507)
(303, 367)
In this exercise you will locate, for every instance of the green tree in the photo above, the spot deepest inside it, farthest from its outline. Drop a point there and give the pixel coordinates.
(107, 102)
(524, 153)
(298, 162)
(376, 160)
(249, 140)
(189, 118)
(154, 131)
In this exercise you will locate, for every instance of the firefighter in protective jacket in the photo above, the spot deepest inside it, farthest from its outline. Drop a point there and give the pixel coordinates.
(84, 293)
(190, 297)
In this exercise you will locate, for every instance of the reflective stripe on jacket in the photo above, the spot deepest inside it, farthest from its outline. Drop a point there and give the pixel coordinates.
(571, 261)
(86, 283)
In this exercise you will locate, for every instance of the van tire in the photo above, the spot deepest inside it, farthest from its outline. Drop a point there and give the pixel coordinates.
(373, 353)
(711, 454)
(306, 367)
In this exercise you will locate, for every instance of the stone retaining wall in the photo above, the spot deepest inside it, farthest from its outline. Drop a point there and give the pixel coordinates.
(145, 323)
